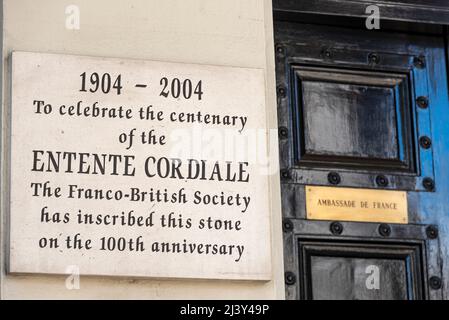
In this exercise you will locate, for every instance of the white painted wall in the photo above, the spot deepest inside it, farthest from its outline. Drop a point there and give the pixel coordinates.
(221, 32)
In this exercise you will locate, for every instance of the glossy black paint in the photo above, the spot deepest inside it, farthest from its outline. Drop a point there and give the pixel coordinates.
(331, 265)
(356, 107)
(346, 113)
(369, 106)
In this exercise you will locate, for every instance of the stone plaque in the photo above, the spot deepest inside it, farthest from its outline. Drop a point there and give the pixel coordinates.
(348, 204)
(138, 169)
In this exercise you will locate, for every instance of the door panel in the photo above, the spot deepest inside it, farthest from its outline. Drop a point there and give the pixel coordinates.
(323, 262)
(366, 116)
(336, 278)
(357, 109)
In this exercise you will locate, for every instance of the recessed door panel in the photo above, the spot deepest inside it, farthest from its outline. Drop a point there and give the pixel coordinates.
(343, 270)
(366, 116)
(335, 278)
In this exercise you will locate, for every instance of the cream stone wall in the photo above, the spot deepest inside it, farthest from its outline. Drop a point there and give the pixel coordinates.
(231, 33)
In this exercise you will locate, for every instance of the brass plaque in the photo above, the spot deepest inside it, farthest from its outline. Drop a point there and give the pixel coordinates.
(363, 205)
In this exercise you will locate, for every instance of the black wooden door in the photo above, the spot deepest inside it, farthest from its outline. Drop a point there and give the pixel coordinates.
(363, 110)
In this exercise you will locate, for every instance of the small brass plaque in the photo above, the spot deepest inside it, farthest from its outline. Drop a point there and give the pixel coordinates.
(363, 205)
